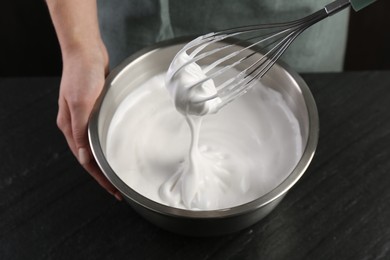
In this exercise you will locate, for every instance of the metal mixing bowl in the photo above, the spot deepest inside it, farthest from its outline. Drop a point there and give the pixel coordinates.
(156, 59)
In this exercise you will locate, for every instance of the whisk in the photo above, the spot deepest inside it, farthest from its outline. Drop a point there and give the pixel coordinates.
(218, 59)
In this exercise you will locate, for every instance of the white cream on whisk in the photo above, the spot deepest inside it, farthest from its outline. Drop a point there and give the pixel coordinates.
(189, 98)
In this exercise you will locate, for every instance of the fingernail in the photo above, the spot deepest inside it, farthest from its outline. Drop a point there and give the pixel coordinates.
(118, 196)
(83, 156)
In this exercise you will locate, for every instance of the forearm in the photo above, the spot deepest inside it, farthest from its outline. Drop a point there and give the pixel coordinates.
(76, 25)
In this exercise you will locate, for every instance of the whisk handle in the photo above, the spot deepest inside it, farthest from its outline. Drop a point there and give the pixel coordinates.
(360, 4)
(339, 5)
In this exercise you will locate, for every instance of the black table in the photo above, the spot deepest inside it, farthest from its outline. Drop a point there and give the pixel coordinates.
(340, 209)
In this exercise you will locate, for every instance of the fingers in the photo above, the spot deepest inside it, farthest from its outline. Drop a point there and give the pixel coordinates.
(79, 120)
(64, 124)
(72, 119)
(80, 116)
(95, 172)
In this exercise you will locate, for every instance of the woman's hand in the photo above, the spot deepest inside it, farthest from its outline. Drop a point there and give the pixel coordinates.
(82, 81)
(85, 65)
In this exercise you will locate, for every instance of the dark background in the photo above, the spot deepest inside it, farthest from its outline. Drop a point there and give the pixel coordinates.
(29, 46)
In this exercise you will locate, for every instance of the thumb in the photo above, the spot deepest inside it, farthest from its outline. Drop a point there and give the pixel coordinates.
(80, 118)
(84, 155)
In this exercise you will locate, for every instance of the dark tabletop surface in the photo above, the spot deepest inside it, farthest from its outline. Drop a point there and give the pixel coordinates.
(51, 209)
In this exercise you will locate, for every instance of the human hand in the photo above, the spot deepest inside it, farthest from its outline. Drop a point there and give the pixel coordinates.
(85, 64)
(83, 77)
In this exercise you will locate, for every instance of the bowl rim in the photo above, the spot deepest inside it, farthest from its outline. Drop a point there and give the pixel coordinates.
(134, 196)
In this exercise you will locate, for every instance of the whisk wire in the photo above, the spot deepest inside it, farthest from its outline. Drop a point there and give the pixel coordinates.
(274, 39)
(265, 63)
(230, 66)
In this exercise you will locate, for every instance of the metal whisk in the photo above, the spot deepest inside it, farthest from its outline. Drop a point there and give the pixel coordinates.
(271, 40)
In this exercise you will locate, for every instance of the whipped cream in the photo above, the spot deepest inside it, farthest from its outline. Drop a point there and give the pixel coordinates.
(188, 96)
(215, 162)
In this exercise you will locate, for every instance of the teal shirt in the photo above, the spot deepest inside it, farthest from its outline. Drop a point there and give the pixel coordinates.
(128, 26)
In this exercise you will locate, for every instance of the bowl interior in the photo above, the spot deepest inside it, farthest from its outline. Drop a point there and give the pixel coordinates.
(137, 69)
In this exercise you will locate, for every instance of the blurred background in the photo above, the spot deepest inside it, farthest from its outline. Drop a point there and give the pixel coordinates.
(29, 47)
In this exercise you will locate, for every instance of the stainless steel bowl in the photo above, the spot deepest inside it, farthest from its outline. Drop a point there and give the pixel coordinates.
(156, 59)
